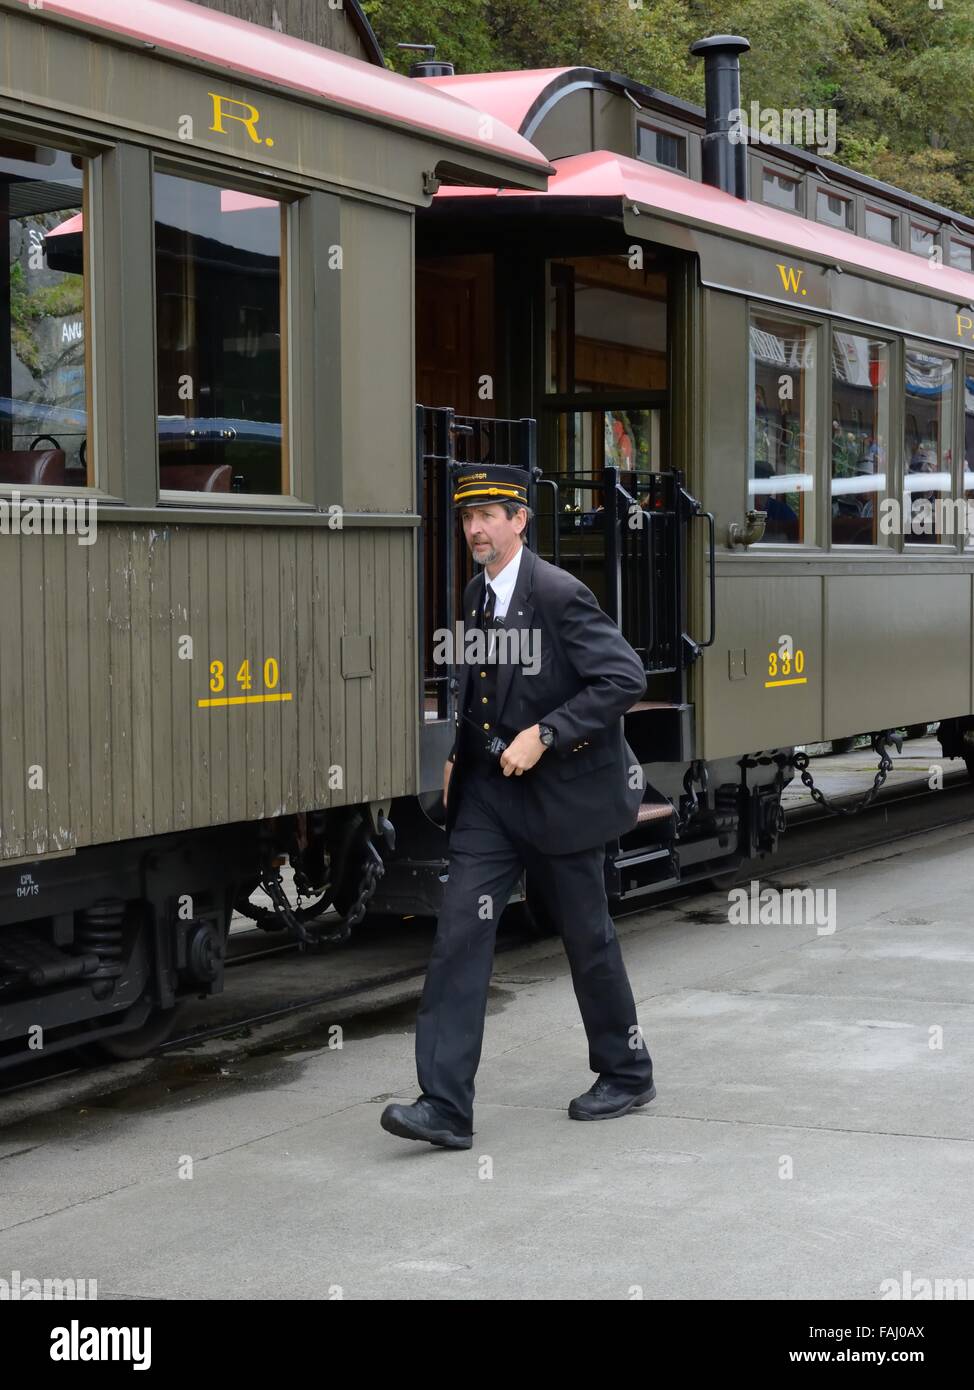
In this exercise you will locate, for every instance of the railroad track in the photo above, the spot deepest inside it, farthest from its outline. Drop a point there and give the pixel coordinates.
(898, 815)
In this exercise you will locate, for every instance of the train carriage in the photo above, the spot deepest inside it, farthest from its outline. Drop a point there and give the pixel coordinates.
(208, 541)
(751, 374)
(742, 375)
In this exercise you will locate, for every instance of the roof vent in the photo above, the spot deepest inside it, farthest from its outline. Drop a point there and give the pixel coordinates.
(428, 66)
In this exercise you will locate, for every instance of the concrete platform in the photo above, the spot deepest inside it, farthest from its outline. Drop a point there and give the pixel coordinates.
(807, 1140)
(851, 774)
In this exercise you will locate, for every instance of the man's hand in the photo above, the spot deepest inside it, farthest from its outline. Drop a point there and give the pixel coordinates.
(447, 769)
(522, 752)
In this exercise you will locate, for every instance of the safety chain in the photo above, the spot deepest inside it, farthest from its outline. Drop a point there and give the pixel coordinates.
(305, 928)
(301, 921)
(309, 924)
(886, 738)
(373, 871)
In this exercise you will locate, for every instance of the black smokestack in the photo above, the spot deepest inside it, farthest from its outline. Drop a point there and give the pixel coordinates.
(724, 161)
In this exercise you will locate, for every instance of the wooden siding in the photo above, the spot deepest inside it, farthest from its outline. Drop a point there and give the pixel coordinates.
(313, 20)
(93, 691)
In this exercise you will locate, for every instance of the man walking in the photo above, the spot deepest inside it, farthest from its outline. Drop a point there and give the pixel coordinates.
(540, 777)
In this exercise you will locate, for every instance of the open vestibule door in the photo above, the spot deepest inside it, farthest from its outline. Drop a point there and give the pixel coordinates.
(585, 345)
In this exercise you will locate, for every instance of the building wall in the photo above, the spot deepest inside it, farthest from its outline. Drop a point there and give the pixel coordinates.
(313, 20)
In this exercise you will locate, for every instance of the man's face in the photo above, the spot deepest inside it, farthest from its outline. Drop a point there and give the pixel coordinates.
(490, 533)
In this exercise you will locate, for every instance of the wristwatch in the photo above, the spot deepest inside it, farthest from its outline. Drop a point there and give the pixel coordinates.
(546, 734)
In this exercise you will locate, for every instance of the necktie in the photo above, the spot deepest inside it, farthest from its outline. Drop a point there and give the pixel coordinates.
(489, 622)
(488, 608)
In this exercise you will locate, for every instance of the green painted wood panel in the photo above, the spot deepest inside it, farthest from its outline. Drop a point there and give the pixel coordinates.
(93, 690)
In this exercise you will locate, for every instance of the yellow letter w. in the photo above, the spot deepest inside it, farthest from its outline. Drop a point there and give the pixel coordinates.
(790, 277)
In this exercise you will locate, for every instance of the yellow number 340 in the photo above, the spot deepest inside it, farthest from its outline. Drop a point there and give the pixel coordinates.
(244, 679)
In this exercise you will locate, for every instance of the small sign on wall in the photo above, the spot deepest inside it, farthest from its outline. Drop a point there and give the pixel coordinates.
(357, 656)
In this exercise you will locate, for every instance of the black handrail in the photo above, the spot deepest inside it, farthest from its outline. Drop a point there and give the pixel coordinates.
(644, 564)
(446, 442)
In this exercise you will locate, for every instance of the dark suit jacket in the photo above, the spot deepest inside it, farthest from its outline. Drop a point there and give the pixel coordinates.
(578, 794)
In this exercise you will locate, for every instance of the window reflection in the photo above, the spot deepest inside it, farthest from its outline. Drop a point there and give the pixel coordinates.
(782, 433)
(968, 487)
(860, 435)
(928, 451)
(881, 226)
(922, 239)
(43, 395)
(835, 210)
(630, 439)
(218, 297)
(780, 191)
(661, 147)
(607, 326)
(961, 254)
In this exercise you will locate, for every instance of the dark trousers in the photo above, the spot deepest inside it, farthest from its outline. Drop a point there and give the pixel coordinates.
(489, 846)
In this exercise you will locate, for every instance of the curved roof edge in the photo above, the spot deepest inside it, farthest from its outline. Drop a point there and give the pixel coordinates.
(622, 182)
(187, 31)
(361, 25)
(528, 102)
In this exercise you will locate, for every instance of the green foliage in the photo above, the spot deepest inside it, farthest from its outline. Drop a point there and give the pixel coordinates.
(28, 307)
(898, 73)
(459, 28)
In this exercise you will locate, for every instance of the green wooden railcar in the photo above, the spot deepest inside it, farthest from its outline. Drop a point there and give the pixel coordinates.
(752, 328)
(207, 511)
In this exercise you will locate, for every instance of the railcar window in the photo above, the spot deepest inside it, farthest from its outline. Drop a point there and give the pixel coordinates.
(928, 447)
(780, 191)
(607, 326)
(661, 147)
(860, 436)
(882, 226)
(627, 437)
(922, 238)
(783, 368)
(961, 254)
(835, 210)
(219, 284)
(969, 450)
(43, 391)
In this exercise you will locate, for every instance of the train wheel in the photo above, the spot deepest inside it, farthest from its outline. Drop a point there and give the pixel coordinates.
(916, 731)
(843, 745)
(156, 1030)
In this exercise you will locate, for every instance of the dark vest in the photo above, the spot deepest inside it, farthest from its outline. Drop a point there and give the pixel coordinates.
(481, 709)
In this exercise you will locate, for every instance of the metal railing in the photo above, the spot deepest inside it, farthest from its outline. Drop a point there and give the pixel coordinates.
(445, 442)
(630, 545)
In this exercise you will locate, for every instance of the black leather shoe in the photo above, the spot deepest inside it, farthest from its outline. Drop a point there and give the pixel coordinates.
(421, 1121)
(603, 1101)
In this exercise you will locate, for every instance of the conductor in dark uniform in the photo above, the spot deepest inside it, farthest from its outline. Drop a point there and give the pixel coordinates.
(549, 675)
